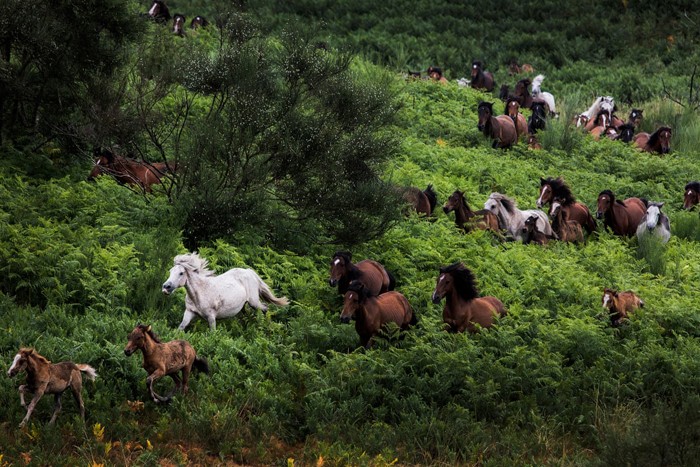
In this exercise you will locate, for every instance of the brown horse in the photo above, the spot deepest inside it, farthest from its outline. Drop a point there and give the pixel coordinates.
(423, 202)
(466, 219)
(659, 141)
(513, 111)
(501, 128)
(435, 73)
(159, 11)
(551, 188)
(515, 69)
(44, 377)
(620, 304)
(531, 234)
(635, 118)
(370, 273)
(372, 312)
(481, 79)
(128, 171)
(164, 359)
(199, 22)
(533, 143)
(522, 92)
(691, 197)
(622, 217)
(566, 229)
(464, 309)
(179, 24)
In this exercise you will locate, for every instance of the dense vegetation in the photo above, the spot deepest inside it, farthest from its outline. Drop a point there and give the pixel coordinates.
(552, 383)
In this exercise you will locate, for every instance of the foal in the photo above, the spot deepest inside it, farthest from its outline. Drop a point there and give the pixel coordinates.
(44, 377)
(466, 219)
(620, 304)
(164, 359)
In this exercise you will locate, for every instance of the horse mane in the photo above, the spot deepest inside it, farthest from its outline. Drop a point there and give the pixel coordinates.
(193, 261)
(611, 195)
(654, 137)
(432, 196)
(486, 104)
(464, 202)
(357, 286)
(146, 328)
(526, 83)
(346, 255)
(506, 202)
(695, 186)
(36, 354)
(559, 189)
(536, 83)
(465, 282)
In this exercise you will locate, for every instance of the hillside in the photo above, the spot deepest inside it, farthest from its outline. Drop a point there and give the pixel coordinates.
(551, 383)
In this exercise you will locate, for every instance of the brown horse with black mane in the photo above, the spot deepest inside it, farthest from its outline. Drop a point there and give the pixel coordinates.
(501, 128)
(423, 202)
(466, 219)
(659, 141)
(481, 79)
(464, 309)
(164, 359)
(513, 111)
(551, 188)
(370, 273)
(128, 171)
(522, 93)
(371, 313)
(622, 217)
(691, 197)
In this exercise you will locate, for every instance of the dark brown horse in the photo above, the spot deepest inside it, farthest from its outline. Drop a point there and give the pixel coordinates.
(566, 229)
(691, 197)
(371, 313)
(423, 202)
(625, 133)
(164, 359)
(522, 92)
(501, 128)
(179, 24)
(481, 79)
(622, 217)
(532, 142)
(128, 171)
(659, 141)
(435, 73)
(635, 118)
(620, 304)
(466, 219)
(532, 234)
(513, 111)
(159, 11)
(538, 118)
(44, 377)
(464, 309)
(199, 22)
(551, 188)
(370, 273)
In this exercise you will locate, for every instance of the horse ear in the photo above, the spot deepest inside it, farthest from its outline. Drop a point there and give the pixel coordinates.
(148, 329)
(661, 204)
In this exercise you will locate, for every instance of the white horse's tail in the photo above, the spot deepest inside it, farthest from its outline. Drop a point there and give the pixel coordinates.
(268, 296)
(89, 371)
(536, 83)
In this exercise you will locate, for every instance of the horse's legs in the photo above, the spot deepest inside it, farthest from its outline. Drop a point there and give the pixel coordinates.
(255, 302)
(76, 389)
(149, 384)
(56, 407)
(178, 383)
(211, 319)
(32, 405)
(186, 318)
(186, 377)
(22, 389)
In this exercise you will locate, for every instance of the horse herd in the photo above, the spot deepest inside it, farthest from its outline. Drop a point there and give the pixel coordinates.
(160, 13)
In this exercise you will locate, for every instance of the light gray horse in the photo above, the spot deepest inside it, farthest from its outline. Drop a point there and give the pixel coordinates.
(654, 222)
(513, 219)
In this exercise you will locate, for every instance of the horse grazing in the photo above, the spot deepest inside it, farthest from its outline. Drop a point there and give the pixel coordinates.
(210, 296)
(44, 377)
(531, 234)
(199, 22)
(481, 79)
(371, 312)
(465, 218)
(654, 222)
(551, 188)
(622, 217)
(376, 279)
(620, 304)
(501, 128)
(164, 359)
(538, 94)
(691, 197)
(659, 141)
(513, 219)
(423, 202)
(435, 73)
(179, 24)
(566, 229)
(464, 308)
(159, 11)
(513, 111)
(127, 171)
(538, 119)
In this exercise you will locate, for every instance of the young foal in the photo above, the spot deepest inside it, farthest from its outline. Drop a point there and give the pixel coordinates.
(464, 309)
(501, 128)
(466, 219)
(369, 272)
(620, 304)
(164, 359)
(44, 377)
(371, 313)
(531, 234)
(567, 229)
(691, 197)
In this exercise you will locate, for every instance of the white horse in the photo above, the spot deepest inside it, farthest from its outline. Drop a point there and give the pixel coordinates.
(537, 93)
(654, 222)
(592, 112)
(210, 296)
(513, 219)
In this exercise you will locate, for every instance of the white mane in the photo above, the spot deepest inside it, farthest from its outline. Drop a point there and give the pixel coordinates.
(193, 261)
(593, 109)
(536, 83)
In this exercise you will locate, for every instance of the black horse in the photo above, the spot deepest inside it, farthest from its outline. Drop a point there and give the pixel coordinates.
(538, 119)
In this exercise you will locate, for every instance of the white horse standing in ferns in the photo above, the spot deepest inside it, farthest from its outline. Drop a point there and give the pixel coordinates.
(210, 296)
(654, 222)
(513, 219)
(547, 97)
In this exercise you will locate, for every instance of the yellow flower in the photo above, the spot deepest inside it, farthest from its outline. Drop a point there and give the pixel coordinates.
(98, 432)
(441, 142)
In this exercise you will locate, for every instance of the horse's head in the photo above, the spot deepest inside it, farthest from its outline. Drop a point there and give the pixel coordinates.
(521, 87)
(434, 72)
(580, 120)
(477, 68)
(176, 279)
(653, 214)
(512, 107)
(626, 132)
(636, 117)
(546, 192)
(340, 264)
(179, 24)
(606, 199)
(159, 11)
(103, 160)
(444, 284)
(608, 298)
(691, 197)
(20, 362)
(199, 21)
(137, 338)
(354, 298)
(485, 111)
(455, 199)
(663, 135)
(555, 208)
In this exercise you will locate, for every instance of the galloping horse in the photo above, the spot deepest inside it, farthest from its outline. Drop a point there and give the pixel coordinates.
(423, 202)
(513, 111)
(620, 304)
(566, 229)
(659, 141)
(44, 377)
(481, 79)
(501, 128)
(159, 11)
(199, 22)
(538, 119)
(691, 197)
(179, 24)
(513, 219)
(464, 309)
(370, 273)
(654, 222)
(465, 218)
(551, 188)
(371, 313)
(164, 359)
(622, 217)
(128, 171)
